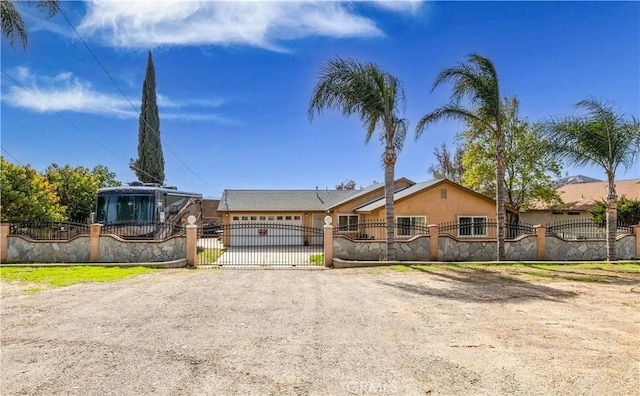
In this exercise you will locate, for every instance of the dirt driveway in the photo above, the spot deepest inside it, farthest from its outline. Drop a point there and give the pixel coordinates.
(326, 332)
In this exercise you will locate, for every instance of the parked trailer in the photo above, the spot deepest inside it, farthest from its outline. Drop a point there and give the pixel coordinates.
(146, 210)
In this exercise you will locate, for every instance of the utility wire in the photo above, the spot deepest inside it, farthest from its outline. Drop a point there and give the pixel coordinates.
(12, 157)
(68, 121)
(132, 105)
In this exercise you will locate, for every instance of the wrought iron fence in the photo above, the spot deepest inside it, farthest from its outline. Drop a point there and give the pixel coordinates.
(377, 230)
(482, 228)
(584, 229)
(143, 230)
(49, 230)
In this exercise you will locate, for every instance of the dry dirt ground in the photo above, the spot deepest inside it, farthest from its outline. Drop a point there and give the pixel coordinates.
(324, 332)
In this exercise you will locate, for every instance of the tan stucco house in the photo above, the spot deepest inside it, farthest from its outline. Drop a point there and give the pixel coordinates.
(415, 204)
(578, 200)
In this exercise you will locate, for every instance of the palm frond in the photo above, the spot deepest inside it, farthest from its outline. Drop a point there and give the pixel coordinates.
(13, 28)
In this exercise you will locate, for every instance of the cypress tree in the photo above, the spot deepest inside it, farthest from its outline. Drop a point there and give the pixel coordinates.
(149, 167)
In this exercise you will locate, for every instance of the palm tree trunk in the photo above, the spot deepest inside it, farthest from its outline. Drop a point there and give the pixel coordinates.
(389, 170)
(612, 219)
(500, 214)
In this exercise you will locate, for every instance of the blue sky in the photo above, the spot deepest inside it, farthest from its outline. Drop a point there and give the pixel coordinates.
(234, 80)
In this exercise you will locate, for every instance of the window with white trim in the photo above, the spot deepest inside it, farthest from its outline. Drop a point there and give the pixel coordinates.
(407, 226)
(472, 226)
(347, 222)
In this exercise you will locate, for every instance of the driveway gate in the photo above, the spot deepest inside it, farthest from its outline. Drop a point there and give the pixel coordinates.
(260, 245)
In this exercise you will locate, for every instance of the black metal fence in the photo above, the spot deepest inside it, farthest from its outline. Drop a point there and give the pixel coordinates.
(49, 230)
(377, 230)
(481, 228)
(143, 230)
(584, 229)
(258, 245)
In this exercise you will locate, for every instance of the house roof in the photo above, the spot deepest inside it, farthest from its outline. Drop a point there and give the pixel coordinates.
(282, 200)
(584, 196)
(405, 192)
(367, 190)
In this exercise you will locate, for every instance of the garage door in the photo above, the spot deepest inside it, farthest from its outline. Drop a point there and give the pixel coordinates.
(266, 230)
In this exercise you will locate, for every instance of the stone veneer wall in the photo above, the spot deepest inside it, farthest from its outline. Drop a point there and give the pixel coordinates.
(112, 250)
(414, 249)
(115, 250)
(23, 250)
(561, 250)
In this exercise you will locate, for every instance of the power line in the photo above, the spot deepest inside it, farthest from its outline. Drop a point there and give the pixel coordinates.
(68, 121)
(132, 105)
(12, 157)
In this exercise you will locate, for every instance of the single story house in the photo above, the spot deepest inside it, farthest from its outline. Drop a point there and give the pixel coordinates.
(578, 200)
(415, 206)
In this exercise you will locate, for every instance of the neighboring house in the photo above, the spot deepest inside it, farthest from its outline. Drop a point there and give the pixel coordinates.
(578, 200)
(415, 205)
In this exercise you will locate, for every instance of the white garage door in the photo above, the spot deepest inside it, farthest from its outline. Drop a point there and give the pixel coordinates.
(266, 230)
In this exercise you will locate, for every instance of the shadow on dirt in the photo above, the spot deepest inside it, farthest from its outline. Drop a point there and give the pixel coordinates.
(478, 285)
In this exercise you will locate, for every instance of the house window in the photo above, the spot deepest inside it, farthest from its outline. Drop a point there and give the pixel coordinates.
(410, 225)
(443, 193)
(555, 212)
(245, 218)
(254, 218)
(236, 218)
(296, 217)
(271, 218)
(279, 218)
(347, 222)
(263, 218)
(287, 217)
(472, 226)
(573, 213)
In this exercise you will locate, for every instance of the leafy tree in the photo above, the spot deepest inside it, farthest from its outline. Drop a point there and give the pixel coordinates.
(13, 28)
(149, 167)
(27, 195)
(375, 97)
(77, 187)
(346, 185)
(449, 164)
(601, 137)
(476, 80)
(628, 212)
(529, 168)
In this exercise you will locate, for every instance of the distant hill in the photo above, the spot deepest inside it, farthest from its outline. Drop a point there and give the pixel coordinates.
(574, 180)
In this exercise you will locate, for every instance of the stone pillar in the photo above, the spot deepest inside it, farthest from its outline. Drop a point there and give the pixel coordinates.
(328, 241)
(94, 243)
(192, 244)
(636, 233)
(4, 241)
(433, 242)
(541, 253)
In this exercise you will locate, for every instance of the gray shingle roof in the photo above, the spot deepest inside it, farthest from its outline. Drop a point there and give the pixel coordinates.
(282, 200)
(397, 195)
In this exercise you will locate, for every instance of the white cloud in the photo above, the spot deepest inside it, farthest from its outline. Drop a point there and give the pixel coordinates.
(144, 24)
(66, 92)
(411, 6)
(63, 92)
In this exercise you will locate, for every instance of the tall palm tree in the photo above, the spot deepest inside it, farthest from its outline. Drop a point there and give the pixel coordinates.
(375, 97)
(477, 81)
(13, 28)
(601, 137)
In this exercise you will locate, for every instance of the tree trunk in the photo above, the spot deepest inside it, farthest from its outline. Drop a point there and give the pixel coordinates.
(612, 219)
(389, 170)
(500, 215)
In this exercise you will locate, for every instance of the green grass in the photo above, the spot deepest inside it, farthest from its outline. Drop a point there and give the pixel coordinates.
(65, 276)
(317, 259)
(208, 255)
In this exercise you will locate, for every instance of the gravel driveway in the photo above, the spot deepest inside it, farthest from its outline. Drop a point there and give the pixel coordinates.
(325, 332)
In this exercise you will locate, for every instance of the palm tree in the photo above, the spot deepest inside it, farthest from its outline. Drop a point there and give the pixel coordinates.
(477, 81)
(375, 97)
(602, 137)
(13, 27)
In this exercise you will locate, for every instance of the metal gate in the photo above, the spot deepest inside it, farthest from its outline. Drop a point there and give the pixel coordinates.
(260, 245)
